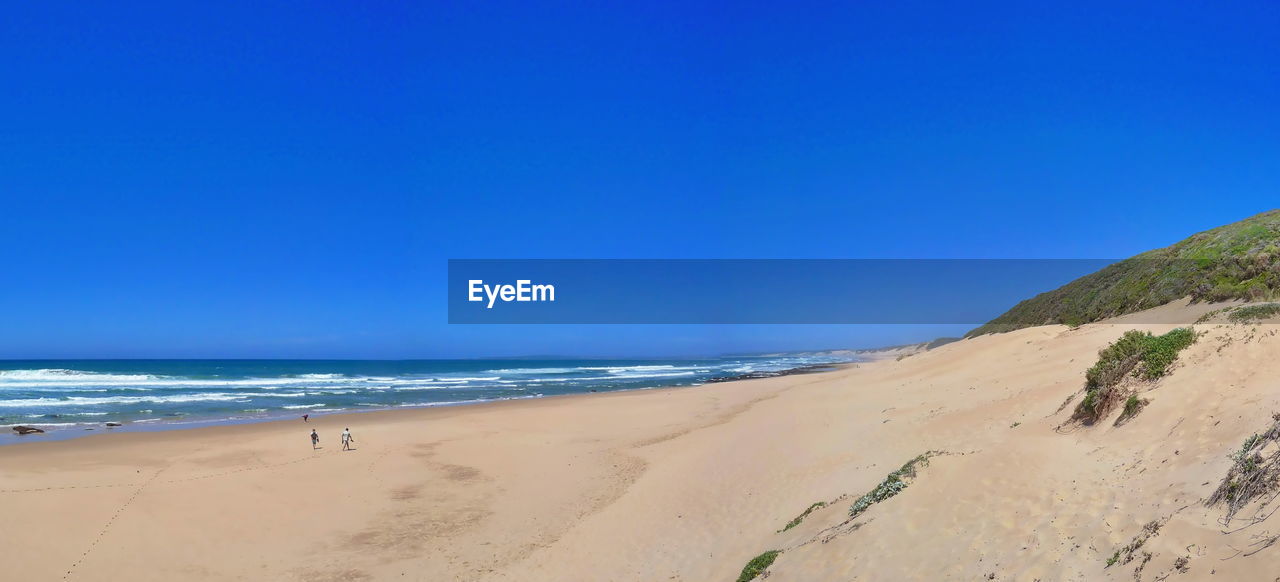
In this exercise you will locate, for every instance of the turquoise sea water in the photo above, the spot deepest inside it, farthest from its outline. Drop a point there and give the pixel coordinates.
(67, 395)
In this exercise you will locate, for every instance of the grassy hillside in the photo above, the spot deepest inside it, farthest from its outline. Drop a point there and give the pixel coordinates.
(1236, 261)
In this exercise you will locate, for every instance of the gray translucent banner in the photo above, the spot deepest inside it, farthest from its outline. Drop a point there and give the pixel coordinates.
(719, 291)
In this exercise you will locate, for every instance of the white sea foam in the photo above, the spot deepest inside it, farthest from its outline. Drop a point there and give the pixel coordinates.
(91, 401)
(61, 378)
(453, 402)
(624, 369)
(673, 374)
(520, 371)
(617, 377)
(60, 375)
(415, 387)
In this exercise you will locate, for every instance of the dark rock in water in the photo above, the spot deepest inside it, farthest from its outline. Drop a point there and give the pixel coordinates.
(815, 368)
(114, 424)
(27, 430)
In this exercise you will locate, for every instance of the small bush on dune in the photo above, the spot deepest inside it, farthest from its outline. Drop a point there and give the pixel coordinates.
(1137, 353)
(757, 565)
(1132, 406)
(1117, 359)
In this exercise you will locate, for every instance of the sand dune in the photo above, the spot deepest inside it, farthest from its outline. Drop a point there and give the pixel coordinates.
(688, 484)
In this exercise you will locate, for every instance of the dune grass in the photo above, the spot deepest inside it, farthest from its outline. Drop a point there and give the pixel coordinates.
(1129, 551)
(1253, 475)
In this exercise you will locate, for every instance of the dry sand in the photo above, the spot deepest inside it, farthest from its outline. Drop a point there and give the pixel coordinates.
(686, 484)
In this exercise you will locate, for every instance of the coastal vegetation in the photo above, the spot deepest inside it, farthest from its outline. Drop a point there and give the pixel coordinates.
(1136, 353)
(1236, 261)
(892, 484)
(799, 518)
(757, 565)
(1132, 406)
(1243, 313)
(1129, 551)
(1254, 472)
(1252, 313)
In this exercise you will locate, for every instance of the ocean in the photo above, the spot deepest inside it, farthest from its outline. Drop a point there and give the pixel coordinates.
(61, 396)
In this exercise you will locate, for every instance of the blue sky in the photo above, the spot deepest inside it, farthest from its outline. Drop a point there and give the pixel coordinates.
(282, 180)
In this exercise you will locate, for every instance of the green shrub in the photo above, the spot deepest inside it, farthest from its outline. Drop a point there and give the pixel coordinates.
(1254, 312)
(1090, 402)
(1117, 359)
(1162, 350)
(1155, 353)
(1136, 352)
(1131, 405)
(757, 565)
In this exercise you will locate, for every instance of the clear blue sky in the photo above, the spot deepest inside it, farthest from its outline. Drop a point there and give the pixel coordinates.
(288, 180)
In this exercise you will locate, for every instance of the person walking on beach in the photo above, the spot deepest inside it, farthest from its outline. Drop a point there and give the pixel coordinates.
(315, 439)
(347, 439)
(306, 418)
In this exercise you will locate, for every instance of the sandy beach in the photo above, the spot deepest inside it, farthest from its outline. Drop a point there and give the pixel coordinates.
(640, 292)
(687, 484)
